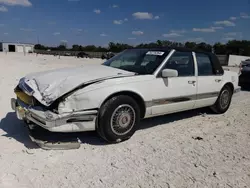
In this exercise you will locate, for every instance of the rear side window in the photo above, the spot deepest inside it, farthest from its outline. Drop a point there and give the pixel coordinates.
(204, 65)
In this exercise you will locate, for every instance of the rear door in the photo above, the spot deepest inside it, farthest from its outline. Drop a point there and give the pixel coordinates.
(208, 82)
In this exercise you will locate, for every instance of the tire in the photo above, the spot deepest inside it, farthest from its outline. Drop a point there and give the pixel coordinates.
(221, 105)
(126, 122)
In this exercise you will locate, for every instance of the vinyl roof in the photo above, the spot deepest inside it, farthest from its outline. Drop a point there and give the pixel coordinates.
(175, 48)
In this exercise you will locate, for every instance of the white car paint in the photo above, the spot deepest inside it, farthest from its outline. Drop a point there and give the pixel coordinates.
(50, 85)
(170, 88)
(151, 88)
(206, 84)
(157, 93)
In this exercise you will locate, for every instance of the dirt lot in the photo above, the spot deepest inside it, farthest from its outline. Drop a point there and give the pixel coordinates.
(190, 149)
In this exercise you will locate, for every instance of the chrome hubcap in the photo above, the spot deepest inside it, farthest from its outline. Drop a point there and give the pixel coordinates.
(122, 119)
(225, 98)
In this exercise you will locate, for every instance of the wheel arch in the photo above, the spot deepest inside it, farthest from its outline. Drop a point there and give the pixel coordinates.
(137, 97)
(230, 85)
(216, 107)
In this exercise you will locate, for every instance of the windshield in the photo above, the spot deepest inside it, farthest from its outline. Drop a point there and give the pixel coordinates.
(140, 61)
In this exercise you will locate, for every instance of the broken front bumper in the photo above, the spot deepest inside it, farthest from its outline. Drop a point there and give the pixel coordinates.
(68, 122)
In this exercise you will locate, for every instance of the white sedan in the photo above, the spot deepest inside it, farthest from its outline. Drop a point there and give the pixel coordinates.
(112, 98)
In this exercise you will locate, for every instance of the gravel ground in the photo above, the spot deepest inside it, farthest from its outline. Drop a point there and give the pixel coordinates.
(190, 149)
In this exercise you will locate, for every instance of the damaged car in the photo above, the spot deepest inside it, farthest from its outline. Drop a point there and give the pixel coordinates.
(113, 97)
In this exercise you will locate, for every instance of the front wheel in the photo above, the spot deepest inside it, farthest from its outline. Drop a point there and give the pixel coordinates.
(224, 100)
(118, 119)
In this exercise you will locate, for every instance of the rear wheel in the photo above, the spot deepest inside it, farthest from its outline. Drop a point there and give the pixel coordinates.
(118, 119)
(224, 100)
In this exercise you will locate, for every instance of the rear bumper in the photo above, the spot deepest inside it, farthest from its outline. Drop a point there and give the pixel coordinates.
(237, 90)
(68, 122)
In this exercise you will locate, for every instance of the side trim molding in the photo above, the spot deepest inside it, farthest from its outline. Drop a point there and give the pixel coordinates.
(163, 101)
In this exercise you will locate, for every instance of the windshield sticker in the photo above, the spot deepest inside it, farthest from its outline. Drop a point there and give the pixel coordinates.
(155, 53)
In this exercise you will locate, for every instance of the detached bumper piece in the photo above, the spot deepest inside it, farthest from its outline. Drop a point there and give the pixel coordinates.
(52, 141)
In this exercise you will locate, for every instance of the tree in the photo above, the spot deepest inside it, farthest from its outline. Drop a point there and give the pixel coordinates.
(118, 47)
(204, 47)
(220, 48)
(89, 48)
(61, 48)
(159, 43)
(101, 49)
(75, 47)
(238, 47)
(191, 45)
(234, 47)
(40, 47)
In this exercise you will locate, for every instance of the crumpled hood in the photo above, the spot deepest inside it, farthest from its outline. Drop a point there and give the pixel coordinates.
(50, 85)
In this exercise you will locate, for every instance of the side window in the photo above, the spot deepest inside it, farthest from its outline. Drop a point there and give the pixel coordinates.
(204, 65)
(182, 62)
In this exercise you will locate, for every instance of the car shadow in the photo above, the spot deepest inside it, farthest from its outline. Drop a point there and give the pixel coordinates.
(169, 118)
(16, 129)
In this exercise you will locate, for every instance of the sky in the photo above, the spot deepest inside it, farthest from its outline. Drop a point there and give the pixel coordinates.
(99, 22)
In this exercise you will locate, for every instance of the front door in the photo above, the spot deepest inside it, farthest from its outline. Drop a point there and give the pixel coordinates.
(176, 93)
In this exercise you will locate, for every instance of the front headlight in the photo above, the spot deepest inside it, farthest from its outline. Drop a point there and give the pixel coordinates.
(64, 108)
(27, 89)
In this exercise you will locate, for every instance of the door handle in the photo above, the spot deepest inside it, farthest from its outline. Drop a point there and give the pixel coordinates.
(191, 82)
(217, 80)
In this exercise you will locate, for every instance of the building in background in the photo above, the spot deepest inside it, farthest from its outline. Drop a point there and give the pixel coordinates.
(16, 47)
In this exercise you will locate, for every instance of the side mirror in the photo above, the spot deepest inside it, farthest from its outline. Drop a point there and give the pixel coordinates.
(166, 73)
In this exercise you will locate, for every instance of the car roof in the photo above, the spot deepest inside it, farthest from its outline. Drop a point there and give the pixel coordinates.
(213, 57)
(167, 49)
